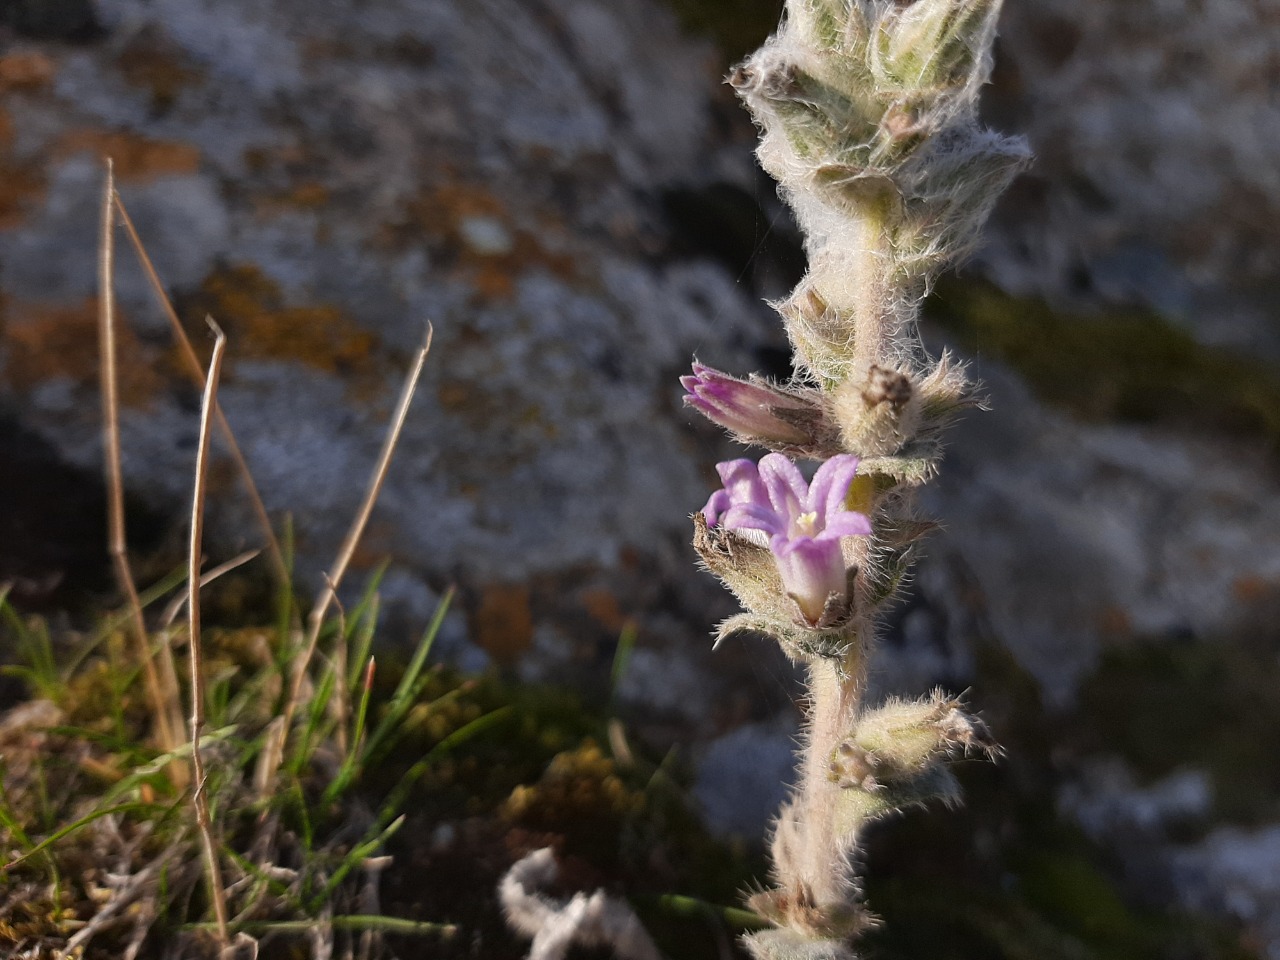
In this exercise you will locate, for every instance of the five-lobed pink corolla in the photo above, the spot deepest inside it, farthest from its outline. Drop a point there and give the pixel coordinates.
(804, 522)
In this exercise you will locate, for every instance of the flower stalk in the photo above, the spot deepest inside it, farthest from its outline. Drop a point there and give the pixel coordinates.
(868, 119)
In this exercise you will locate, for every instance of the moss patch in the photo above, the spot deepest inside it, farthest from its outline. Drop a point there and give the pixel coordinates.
(737, 26)
(1006, 877)
(1127, 365)
(1212, 706)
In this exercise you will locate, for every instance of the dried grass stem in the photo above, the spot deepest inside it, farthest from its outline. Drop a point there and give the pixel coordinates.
(199, 798)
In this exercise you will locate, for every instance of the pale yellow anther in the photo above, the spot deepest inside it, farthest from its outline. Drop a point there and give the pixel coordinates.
(807, 523)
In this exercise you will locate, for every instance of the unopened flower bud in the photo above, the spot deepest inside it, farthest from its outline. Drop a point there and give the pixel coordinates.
(758, 412)
(876, 413)
(934, 44)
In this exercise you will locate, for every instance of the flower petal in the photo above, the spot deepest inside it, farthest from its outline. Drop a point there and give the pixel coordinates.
(785, 485)
(742, 481)
(831, 483)
(754, 516)
(847, 523)
(717, 505)
(811, 571)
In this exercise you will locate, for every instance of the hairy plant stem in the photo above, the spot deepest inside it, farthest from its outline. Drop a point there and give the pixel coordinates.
(835, 694)
(855, 281)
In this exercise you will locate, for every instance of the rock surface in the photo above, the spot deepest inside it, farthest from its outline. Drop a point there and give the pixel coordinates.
(1157, 134)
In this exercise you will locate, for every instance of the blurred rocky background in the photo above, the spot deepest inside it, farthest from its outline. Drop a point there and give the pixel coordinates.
(566, 189)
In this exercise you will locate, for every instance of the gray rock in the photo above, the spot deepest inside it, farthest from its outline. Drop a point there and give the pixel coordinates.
(1084, 535)
(1238, 871)
(1106, 800)
(1157, 135)
(742, 777)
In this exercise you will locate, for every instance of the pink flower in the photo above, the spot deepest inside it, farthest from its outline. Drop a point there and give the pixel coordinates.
(804, 522)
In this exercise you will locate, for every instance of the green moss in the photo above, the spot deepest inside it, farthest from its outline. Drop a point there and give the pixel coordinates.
(737, 26)
(1058, 908)
(1127, 365)
(1212, 706)
(545, 778)
(1007, 877)
(1083, 901)
(545, 771)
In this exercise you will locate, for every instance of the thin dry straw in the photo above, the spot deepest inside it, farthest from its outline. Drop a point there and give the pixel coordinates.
(199, 798)
(162, 683)
(197, 374)
(175, 605)
(348, 548)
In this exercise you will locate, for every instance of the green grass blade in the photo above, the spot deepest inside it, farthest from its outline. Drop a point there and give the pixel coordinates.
(152, 772)
(460, 736)
(352, 859)
(351, 765)
(621, 657)
(403, 698)
(35, 647)
(295, 796)
(10, 823)
(396, 925)
(318, 723)
(286, 602)
(692, 908)
(367, 627)
(359, 614)
(80, 824)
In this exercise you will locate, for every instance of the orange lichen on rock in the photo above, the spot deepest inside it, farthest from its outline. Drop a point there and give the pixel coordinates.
(1114, 622)
(22, 183)
(471, 230)
(479, 406)
(308, 195)
(602, 606)
(25, 70)
(503, 622)
(1253, 589)
(43, 341)
(252, 309)
(135, 157)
